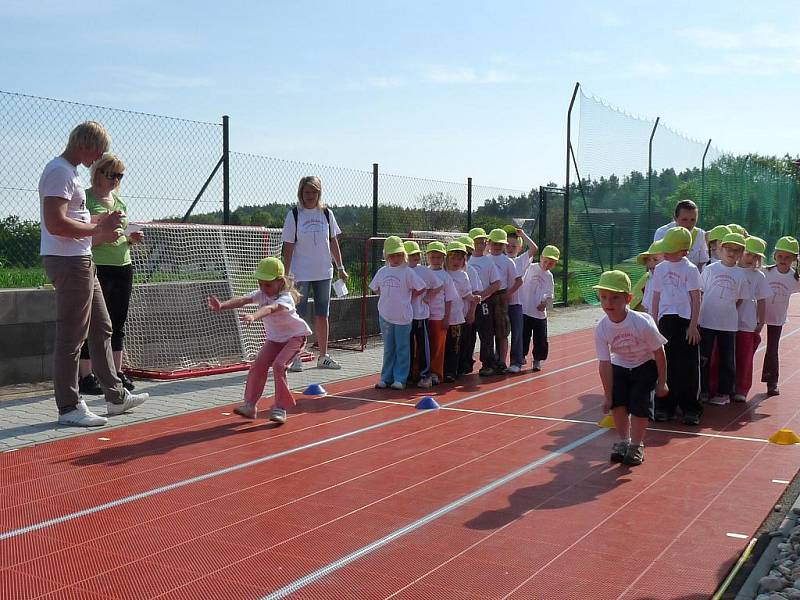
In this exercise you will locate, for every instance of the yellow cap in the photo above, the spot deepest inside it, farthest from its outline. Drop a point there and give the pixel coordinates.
(735, 239)
(498, 236)
(411, 247)
(393, 245)
(788, 244)
(456, 247)
(736, 228)
(755, 245)
(467, 241)
(550, 252)
(676, 239)
(269, 269)
(717, 233)
(435, 247)
(614, 281)
(655, 248)
(510, 229)
(477, 232)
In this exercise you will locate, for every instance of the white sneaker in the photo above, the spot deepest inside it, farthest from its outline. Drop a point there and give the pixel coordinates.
(435, 379)
(514, 369)
(130, 401)
(296, 366)
(425, 383)
(248, 411)
(381, 385)
(537, 365)
(81, 417)
(719, 400)
(398, 385)
(326, 362)
(277, 415)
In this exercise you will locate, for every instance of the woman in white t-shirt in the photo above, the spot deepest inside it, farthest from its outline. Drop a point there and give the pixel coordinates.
(309, 246)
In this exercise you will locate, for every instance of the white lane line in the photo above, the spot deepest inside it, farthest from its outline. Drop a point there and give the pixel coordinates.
(781, 481)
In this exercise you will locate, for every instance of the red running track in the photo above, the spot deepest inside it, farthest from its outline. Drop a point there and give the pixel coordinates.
(505, 493)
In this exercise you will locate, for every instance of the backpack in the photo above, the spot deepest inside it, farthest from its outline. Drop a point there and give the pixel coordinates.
(327, 218)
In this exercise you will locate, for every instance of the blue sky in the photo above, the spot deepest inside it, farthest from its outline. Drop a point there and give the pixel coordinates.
(437, 89)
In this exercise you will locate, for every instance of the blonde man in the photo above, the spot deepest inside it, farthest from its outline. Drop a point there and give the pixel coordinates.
(66, 249)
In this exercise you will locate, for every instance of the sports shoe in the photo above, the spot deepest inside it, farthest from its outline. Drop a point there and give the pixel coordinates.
(691, 419)
(424, 383)
(618, 451)
(127, 383)
(129, 401)
(661, 416)
(537, 365)
(326, 362)
(635, 455)
(486, 371)
(277, 415)
(719, 400)
(500, 369)
(296, 366)
(449, 379)
(435, 379)
(398, 385)
(81, 416)
(773, 391)
(514, 369)
(381, 385)
(703, 398)
(248, 411)
(739, 398)
(88, 385)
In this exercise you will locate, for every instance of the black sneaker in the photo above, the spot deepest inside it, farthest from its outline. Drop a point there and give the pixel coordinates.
(772, 390)
(486, 372)
(500, 369)
(618, 451)
(661, 415)
(88, 385)
(635, 455)
(127, 383)
(691, 419)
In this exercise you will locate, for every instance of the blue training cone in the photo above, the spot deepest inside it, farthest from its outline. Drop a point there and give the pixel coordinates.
(315, 389)
(427, 403)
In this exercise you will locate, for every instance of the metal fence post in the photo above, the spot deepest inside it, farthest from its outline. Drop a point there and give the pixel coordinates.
(612, 241)
(565, 266)
(542, 216)
(650, 181)
(374, 199)
(469, 203)
(226, 171)
(703, 175)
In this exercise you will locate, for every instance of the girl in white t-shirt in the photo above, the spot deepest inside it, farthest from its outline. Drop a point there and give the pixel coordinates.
(441, 306)
(462, 311)
(784, 281)
(397, 285)
(420, 372)
(285, 331)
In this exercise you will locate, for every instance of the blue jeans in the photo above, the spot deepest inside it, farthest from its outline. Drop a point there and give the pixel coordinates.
(515, 316)
(322, 297)
(396, 352)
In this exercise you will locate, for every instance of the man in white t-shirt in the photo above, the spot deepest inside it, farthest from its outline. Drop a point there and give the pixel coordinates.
(66, 249)
(686, 214)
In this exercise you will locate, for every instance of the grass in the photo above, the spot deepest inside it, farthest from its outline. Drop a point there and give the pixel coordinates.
(22, 277)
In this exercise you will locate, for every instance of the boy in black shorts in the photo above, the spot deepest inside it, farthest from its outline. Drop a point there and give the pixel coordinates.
(632, 365)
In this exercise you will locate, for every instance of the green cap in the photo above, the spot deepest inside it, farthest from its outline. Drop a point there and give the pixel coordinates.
(456, 247)
(393, 245)
(269, 269)
(737, 239)
(550, 252)
(467, 241)
(736, 228)
(510, 229)
(499, 236)
(755, 245)
(717, 233)
(435, 247)
(614, 281)
(788, 244)
(655, 248)
(676, 239)
(411, 247)
(477, 232)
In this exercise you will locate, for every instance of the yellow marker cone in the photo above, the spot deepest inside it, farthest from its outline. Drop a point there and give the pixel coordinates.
(784, 437)
(607, 422)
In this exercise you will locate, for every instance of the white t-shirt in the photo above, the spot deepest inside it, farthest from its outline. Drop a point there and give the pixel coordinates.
(486, 269)
(311, 259)
(674, 281)
(463, 287)
(507, 269)
(722, 286)
(432, 282)
(436, 304)
(783, 285)
(60, 179)
(698, 254)
(537, 285)
(281, 325)
(756, 288)
(647, 297)
(522, 262)
(395, 284)
(631, 342)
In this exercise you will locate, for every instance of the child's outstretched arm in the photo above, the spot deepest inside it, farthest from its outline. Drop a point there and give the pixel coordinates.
(607, 378)
(661, 364)
(532, 247)
(261, 313)
(490, 290)
(235, 302)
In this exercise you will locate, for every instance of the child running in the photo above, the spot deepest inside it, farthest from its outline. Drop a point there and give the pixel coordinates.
(420, 372)
(723, 286)
(642, 294)
(784, 282)
(522, 260)
(676, 309)
(396, 285)
(285, 337)
(632, 365)
(538, 289)
(752, 313)
(463, 308)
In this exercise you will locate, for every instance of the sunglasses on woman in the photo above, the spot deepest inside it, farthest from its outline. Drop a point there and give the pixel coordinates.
(112, 176)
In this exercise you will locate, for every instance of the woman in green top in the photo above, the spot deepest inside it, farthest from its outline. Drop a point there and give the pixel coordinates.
(112, 257)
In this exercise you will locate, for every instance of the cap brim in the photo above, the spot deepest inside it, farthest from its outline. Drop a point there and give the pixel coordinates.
(608, 289)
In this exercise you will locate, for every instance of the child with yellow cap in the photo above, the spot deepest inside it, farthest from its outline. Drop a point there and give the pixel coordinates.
(784, 282)
(469, 333)
(632, 367)
(713, 238)
(396, 286)
(488, 310)
(510, 281)
(522, 260)
(420, 372)
(441, 307)
(538, 289)
(285, 332)
(676, 310)
(686, 216)
(463, 308)
(642, 294)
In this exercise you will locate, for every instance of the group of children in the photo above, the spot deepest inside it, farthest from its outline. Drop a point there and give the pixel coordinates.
(686, 334)
(477, 286)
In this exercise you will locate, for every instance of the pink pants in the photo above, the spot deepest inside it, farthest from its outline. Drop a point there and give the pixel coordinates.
(746, 344)
(278, 355)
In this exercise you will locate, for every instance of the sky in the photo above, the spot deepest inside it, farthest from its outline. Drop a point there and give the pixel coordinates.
(433, 89)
